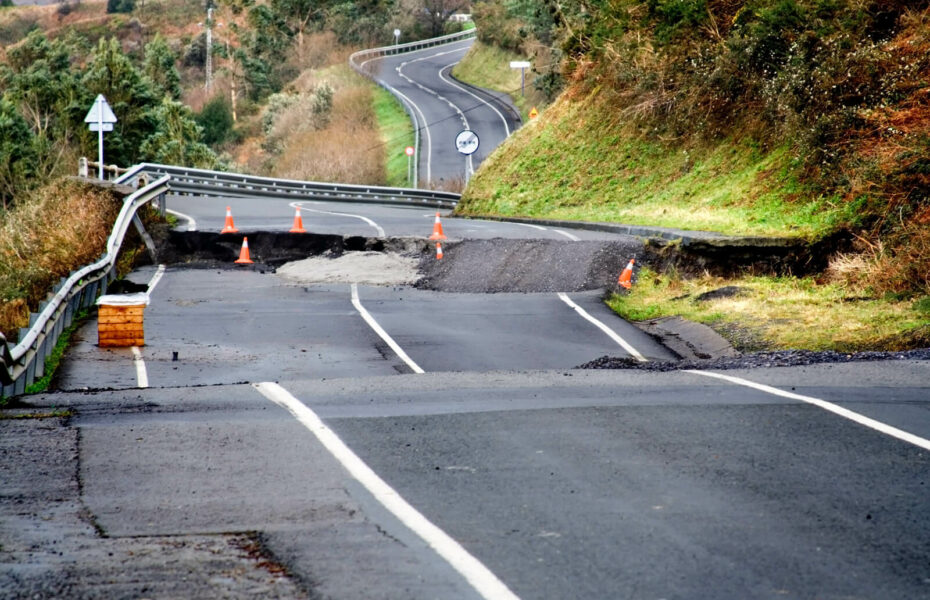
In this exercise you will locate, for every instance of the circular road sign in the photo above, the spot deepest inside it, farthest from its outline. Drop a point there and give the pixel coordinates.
(466, 142)
(409, 151)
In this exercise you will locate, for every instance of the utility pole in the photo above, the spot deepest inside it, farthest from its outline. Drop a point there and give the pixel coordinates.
(209, 62)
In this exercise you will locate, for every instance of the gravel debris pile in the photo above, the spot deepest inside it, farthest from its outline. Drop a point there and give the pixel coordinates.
(528, 266)
(367, 268)
(781, 358)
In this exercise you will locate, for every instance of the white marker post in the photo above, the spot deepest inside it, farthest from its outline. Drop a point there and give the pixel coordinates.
(100, 118)
(523, 65)
(409, 152)
(396, 37)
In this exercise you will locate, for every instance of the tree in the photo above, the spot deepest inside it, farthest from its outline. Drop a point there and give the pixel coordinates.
(159, 67)
(299, 14)
(216, 120)
(177, 140)
(39, 80)
(120, 6)
(111, 73)
(17, 153)
(433, 14)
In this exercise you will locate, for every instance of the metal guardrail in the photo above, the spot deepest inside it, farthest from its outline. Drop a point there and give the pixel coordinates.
(359, 61)
(22, 364)
(202, 182)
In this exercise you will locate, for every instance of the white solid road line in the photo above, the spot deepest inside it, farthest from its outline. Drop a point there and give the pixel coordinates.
(191, 223)
(382, 333)
(475, 96)
(418, 110)
(559, 231)
(568, 235)
(610, 332)
(377, 227)
(142, 376)
(828, 406)
(479, 576)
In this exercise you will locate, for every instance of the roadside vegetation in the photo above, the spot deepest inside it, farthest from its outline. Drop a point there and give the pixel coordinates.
(61, 227)
(281, 102)
(803, 118)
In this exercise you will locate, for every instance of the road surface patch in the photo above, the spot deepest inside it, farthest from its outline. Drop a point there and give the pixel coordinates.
(357, 303)
(828, 406)
(479, 576)
(367, 268)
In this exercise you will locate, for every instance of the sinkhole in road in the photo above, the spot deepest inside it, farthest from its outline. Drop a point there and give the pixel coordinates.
(468, 266)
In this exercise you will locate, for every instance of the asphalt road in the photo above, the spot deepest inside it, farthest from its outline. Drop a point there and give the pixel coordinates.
(347, 218)
(563, 483)
(446, 107)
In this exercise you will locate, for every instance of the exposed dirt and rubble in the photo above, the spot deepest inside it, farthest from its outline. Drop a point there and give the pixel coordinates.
(505, 266)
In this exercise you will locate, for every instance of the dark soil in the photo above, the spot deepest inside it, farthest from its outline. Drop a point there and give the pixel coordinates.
(782, 358)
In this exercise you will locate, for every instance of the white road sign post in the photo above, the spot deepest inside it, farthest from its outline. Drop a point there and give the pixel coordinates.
(396, 36)
(467, 142)
(523, 65)
(100, 118)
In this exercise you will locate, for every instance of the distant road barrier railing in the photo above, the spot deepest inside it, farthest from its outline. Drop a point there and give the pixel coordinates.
(22, 364)
(85, 167)
(360, 61)
(201, 182)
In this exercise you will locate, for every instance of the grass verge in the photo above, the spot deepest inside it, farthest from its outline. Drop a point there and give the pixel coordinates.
(51, 364)
(489, 67)
(396, 133)
(780, 313)
(577, 162)
(54, 359)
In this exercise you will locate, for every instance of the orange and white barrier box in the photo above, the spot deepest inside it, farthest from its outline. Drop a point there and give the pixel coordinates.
(121, 319)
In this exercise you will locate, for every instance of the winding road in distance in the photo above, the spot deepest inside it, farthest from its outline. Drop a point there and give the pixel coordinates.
(446, 107)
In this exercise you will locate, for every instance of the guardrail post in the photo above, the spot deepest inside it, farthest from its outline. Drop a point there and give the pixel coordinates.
(82, 167)
(30, 376)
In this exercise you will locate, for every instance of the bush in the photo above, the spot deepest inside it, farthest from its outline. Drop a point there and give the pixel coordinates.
(216, 120)
(120, 6)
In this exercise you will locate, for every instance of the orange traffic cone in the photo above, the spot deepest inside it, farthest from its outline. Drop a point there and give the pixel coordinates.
(244, 253)
(437, 230)
(230, 226)
(626, 276)
(298, 224)
(438, 251)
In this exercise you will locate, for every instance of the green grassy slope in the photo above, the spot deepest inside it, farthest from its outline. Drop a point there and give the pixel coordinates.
(579, 161)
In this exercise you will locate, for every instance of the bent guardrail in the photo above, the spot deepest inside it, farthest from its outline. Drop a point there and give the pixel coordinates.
(22, 364)
(203, 182)
(360, 62)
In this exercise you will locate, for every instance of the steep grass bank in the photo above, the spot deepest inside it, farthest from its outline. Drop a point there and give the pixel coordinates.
(578, 161)
(488, 66)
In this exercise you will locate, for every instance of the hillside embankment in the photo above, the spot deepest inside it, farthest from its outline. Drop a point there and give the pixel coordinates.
(790, 119)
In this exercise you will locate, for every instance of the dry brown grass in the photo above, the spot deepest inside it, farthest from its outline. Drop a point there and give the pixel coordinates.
(341, 151)
(61, 227)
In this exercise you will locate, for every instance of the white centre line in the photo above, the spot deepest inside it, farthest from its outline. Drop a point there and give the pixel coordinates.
(610, 332)
(141, 374)
(377, 227)
(381, 332)
(479, 576)
(159, 273)
(828, 406)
